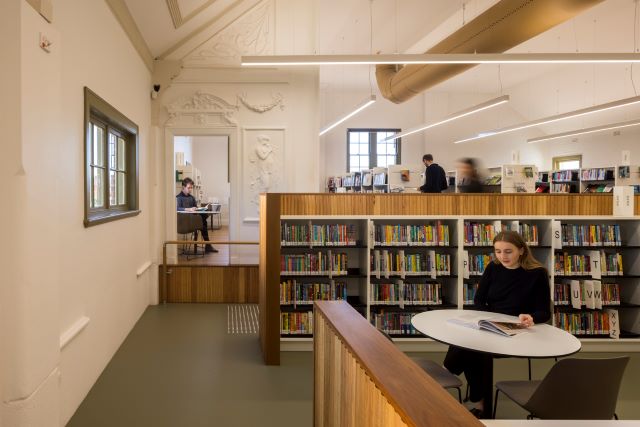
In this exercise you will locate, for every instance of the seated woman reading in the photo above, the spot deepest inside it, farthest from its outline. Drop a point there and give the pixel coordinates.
(515, 283)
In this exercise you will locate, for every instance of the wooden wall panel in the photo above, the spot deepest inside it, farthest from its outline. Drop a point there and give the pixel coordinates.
(213, 284)
(448, 204)
(361, 378)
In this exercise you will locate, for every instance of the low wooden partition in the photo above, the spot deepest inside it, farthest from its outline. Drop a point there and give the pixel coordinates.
(362, 379)
(211, 284)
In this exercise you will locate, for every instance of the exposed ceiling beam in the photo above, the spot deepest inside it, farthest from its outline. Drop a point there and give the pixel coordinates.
(122, 14)
(176, 14)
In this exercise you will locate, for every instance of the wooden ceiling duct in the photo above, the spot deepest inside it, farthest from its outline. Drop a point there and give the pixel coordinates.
(501, 27)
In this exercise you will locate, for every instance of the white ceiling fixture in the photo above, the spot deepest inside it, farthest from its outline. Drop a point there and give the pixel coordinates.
(585, 131)
(445, 58)
(463, 113)
(364, 104)
(577, 113)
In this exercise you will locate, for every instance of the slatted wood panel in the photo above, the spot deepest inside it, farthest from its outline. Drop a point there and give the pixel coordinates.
(269, 290)
(449, 204)
(213, 284)
(362, 379)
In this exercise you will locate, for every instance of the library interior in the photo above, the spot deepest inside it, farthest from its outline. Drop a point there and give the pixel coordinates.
(319, 212)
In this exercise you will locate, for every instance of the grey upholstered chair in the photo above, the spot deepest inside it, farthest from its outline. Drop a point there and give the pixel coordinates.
(188, 226)
(576, 389)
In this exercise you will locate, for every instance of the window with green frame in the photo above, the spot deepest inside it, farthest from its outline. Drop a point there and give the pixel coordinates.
(111, 162)
(367, 148)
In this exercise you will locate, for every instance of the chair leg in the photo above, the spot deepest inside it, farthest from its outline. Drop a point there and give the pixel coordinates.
(495, 404)
(529, 361)
(459, 394)
(615, 416)
(466, 394)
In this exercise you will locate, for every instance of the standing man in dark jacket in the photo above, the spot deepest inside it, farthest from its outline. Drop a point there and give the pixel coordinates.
(186, 202)
(435, 178)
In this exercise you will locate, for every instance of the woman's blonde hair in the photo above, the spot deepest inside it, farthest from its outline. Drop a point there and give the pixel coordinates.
(526, 260)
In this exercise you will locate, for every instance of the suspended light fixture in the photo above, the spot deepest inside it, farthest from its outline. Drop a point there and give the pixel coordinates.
(445, 58)
(466, 112)
(364, 104)
(551, 119)
(585, 131)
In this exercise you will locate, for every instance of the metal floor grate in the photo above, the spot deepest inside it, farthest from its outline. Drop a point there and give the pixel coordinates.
(242, 319)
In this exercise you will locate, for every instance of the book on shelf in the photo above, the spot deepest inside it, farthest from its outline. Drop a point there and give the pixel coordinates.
(506, 329)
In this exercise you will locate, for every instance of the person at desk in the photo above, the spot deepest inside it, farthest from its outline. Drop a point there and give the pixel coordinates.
(435, 179)
(514, 283)
(186, 202)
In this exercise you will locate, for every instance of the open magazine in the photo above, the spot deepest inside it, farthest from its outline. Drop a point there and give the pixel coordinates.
(507, 329)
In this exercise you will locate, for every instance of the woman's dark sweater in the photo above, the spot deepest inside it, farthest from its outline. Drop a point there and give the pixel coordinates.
(515, 291)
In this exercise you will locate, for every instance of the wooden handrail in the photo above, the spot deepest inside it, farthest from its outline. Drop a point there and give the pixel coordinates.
(163, 290)
(406, 390)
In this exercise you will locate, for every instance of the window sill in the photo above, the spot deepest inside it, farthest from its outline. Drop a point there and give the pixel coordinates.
(104, 217)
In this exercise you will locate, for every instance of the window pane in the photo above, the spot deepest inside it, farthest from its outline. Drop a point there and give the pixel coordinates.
(97, 145)
(353, 137)
(391, 148)
(354, 162)
(354, 149)
(112, 151)
(112, 188)
(382, 161)
(364, 137)
(569, 164)
(97, 188)
(364, 162)
(121, 153)
(382, 148)
(121, 188)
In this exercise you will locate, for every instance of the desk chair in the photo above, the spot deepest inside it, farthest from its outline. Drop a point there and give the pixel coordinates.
(443, 377)
(216, 213)
(574, 389)
(188, 226)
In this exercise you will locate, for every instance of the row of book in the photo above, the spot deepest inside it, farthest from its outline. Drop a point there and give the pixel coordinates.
(565, 175)
(296, 323)
(480, 234)
(589, 293)
(529, 232)
(294, 292)
(596, 174)
(314, 264)
(583, 323)
(469, 292)
(591, 235)
(477, 263)
(394, 323)
(436, 234)
(386, 262)
(406, 293)
(598, 188)
(318, 235)
(563, 188)
(566, 264)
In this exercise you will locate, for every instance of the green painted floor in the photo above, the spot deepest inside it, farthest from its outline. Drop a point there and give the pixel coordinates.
(180, 367)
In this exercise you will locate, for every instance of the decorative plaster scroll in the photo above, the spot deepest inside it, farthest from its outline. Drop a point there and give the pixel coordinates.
(201, 109)
(262, 108)
(251, 34)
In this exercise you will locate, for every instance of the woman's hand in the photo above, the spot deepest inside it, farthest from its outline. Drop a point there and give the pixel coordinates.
(526, 320)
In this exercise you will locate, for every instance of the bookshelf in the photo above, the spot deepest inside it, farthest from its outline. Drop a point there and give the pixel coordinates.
(510, 210)
(390, 268)
(565, 181)
(542, 182)
(597, 180)
(493, 182)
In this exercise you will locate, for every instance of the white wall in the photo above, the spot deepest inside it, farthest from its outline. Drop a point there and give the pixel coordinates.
(211, 156)
(64, 271)
(184, 145)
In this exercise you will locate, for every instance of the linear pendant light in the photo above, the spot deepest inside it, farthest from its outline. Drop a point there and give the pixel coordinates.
(585, 131)
(441, 58)
(466, 112)
(367, 102)
(551, 119)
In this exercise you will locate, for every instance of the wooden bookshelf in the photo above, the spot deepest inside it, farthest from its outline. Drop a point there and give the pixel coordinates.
(367, 210)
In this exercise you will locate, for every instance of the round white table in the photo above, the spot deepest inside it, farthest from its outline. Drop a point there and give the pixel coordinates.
(539, 341)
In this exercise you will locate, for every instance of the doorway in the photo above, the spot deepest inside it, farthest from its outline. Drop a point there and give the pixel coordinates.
(205, 159)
